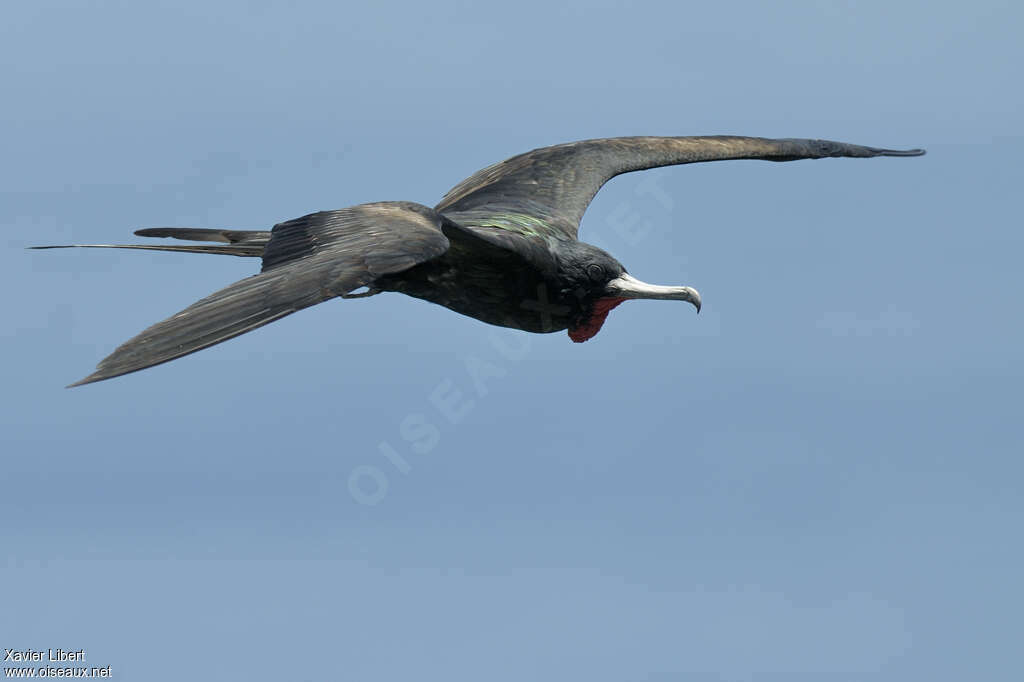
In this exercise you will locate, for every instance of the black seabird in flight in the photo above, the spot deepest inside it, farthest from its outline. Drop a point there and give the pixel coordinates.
(501, 247)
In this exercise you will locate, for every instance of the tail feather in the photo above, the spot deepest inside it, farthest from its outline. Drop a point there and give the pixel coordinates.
(245, 243)
(246, 250)
(199, 234)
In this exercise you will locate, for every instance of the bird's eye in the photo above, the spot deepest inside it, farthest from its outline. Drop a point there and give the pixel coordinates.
(595, 272)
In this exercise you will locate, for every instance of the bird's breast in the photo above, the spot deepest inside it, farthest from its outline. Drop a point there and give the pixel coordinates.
(520, 298)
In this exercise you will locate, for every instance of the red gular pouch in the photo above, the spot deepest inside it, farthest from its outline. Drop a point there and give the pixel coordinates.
(592, 326)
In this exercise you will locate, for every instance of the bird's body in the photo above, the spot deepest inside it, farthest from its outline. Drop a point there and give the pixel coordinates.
(481, 288)
(501, 247)
(532, 290)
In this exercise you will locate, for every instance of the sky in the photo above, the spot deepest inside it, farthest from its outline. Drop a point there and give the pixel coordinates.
(818, 477)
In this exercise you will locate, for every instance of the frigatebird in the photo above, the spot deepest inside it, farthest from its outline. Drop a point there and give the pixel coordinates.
(501, 247)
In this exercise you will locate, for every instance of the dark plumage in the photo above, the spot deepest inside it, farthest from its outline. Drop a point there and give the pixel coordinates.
(501, 247)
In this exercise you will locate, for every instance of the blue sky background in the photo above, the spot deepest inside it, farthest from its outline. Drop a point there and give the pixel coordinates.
(817, 478)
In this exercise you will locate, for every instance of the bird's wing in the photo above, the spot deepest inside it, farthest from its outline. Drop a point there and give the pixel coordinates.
(307, 260)
(545, 192)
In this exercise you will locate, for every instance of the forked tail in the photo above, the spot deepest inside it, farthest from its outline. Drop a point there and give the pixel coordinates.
(247, 243)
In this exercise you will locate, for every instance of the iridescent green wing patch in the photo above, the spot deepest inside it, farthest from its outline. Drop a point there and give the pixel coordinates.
(520, 223)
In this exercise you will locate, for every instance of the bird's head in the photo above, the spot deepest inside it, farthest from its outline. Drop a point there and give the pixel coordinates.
(600, 282)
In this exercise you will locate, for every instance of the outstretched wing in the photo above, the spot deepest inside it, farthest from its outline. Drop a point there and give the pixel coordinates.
(306, 261)
(545, 192)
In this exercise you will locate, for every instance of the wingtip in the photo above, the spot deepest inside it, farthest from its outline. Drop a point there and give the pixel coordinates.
(94, 377)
